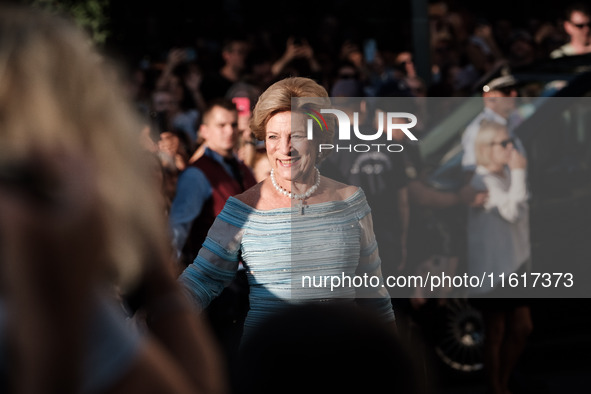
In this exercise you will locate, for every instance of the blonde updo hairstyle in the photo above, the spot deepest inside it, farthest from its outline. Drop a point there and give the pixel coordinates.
(278, 98)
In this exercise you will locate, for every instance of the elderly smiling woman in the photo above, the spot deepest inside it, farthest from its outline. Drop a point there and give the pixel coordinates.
(328, 232)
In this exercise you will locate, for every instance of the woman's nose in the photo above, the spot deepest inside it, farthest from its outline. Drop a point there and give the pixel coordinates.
(285, 145)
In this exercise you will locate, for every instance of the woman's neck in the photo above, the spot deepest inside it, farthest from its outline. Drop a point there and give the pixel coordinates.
(300, 185)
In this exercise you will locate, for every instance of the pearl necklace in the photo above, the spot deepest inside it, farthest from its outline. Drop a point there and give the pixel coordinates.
(293, 196)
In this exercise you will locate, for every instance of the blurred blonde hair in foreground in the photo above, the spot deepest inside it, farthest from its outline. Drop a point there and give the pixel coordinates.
(59, 95)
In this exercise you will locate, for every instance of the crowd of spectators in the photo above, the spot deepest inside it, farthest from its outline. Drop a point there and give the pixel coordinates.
(463, 48)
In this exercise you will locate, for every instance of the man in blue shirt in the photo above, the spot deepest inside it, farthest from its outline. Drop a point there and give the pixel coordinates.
(202, 190)
(204, 186)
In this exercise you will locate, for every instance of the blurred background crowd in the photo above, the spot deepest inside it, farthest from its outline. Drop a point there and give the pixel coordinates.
(181, 55)
(464, 41)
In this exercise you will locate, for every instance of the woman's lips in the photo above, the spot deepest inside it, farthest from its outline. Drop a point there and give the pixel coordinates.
(288, 162)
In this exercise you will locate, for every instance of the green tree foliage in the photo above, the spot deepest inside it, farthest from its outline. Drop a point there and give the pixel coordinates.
(91, 15)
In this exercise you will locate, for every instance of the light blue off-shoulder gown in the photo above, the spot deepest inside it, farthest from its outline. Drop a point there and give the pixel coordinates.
(291, 258)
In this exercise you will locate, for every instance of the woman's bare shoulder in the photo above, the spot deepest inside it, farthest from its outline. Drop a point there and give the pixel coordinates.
(341, 190)
(250, 196)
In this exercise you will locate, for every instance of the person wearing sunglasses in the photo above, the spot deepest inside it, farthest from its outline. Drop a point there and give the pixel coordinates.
(577, 25)
(499, 243)
(499, 99)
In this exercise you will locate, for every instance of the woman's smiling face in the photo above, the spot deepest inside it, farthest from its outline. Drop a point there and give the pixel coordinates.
(291, 155)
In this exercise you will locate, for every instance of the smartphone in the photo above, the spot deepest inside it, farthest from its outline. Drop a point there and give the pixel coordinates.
(370, 48)
(242, 105)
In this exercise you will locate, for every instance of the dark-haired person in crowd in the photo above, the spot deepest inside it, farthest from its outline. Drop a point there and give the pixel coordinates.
(298, 59)
(577, 25)
(216, 84)
(205, 185)
(482, 48)
(522, 50)
(178, 90)
(201, 192)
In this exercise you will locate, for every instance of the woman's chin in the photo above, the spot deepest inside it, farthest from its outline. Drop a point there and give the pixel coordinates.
(283, 174)
(293, 174)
